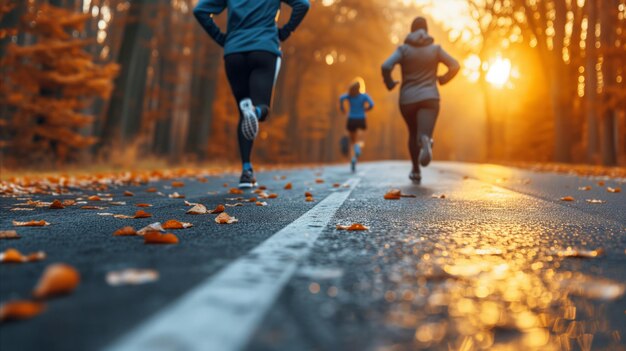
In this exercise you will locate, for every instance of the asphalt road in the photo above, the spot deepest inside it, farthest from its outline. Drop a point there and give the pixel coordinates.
(486, 267)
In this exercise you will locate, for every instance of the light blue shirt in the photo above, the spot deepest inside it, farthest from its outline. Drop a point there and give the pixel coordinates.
(358, 105)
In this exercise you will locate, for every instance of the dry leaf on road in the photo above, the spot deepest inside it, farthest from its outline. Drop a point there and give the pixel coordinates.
(288, 186)
(131, 276)
(56, 205)
(20, 309)
(14, 256)
(125, 231)
(174, 224)
(57, 279)
(224, 218)
(198, 209)
(352, 227)
(33, 223)
(568, 198)
(154, 227)
(218, 209)
(595, 201)
(154, 237)
(614, 190)
(9, 234)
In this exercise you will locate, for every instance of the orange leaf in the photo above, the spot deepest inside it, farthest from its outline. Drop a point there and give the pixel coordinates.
(252, 199)
(308, 194)
(143, 205)
(57, 205)
(288, 186)
(272, 196)
(218, 209)
(128, 193)
(568, 198)
(224, 218)
(178, 184)
(393, 194)
(94, 198)
(142, 214)
(353, 227)
(435, 196)
(601, 183)
(309, 199)
(336, 185)
(14, 256)
(87, 207)
(225, 185)
(319, 181)
(176, 195)
(57, 279)
(258, 203)
(158, 238)
(68, 202)
(614, 190)
(198, 209)
(174, 224)
(263, 187)
(151, 190)
(235, 191)
(20, 309)
(126, 231)
(9, 234)
(584, 188)
(32, 223)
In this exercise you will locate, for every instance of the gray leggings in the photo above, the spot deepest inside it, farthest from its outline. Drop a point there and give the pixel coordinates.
(420, 118)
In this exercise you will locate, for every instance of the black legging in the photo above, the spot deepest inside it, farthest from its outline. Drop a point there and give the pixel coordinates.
(420, 118)
(251, 75)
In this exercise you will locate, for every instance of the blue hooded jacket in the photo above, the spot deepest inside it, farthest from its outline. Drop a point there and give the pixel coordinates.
(251, 23)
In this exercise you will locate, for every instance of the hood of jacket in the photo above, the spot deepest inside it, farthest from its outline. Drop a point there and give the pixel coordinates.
(419, 38)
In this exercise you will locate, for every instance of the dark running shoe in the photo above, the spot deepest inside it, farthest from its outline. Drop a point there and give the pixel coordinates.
(426, 152)
(344, 143)
(353, 165)
(416, 177)
(250, 120)
(247, 179)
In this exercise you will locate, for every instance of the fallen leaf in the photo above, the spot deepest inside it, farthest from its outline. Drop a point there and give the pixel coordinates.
(57, 279)
(202, 179)
(272, 196)
(117, 203)
(105, 214)
(187, 203)
(288, 186)
(125, 231)
(352, 227)
(309, 199)
(568, 198)
(68, 202)
(614, 190)
(154, 227)
(235, 199)
(235, 191)
(319, 181)
(336, 185)
(176, 195)
(393, 194)
(123, 216)
(308, 194)
(174, 224)
(435, 196)
(263, 187)
(176, 184)
(57, 205)
(9, 234)
(198, 209)
(224, 218)
(128, 193)
(142, 214)
(158, 238)
(20, 309)
(218, 209)
(252, 199)
(94, 198)
(143, 205)
(22, 209)
(131, 276)
(234, 205)
(225, 185)
(32, 223)
(601, 183)
(595, 201)
(14, 256)
(258, 203)
(152, 190)
(89, 207)
(584, 188)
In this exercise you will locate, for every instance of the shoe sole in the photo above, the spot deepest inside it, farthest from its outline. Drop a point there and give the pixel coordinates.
(247, 185)
(250, 122)
(426, 153)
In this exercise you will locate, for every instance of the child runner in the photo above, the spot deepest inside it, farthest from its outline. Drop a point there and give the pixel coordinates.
(252, 59)
(359, 103)
(419, 95)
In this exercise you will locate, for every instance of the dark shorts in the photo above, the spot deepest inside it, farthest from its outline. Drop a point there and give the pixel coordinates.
(355, 124)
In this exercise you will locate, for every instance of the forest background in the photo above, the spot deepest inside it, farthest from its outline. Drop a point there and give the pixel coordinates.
(118, 81)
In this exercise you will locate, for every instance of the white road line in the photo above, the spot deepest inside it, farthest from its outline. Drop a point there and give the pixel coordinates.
(222, 312)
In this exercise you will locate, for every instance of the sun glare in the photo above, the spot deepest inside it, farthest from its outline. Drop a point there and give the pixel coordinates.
(499, 72)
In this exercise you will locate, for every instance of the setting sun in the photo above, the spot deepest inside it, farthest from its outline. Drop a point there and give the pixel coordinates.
(499, 72)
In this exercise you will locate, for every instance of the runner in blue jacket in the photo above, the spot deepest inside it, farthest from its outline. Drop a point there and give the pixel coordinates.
(252, 59)
(359, 103)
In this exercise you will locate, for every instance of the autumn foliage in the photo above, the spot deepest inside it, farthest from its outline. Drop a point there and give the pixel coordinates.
(48, 85)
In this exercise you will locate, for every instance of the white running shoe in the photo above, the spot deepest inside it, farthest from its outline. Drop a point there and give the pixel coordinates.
(250, 122)
(426, 152)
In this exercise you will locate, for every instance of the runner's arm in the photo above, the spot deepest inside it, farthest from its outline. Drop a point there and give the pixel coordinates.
(342, 99)
(453, 67)
(370, 103)
(204, 12)
(299, 8)
(388, 66)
